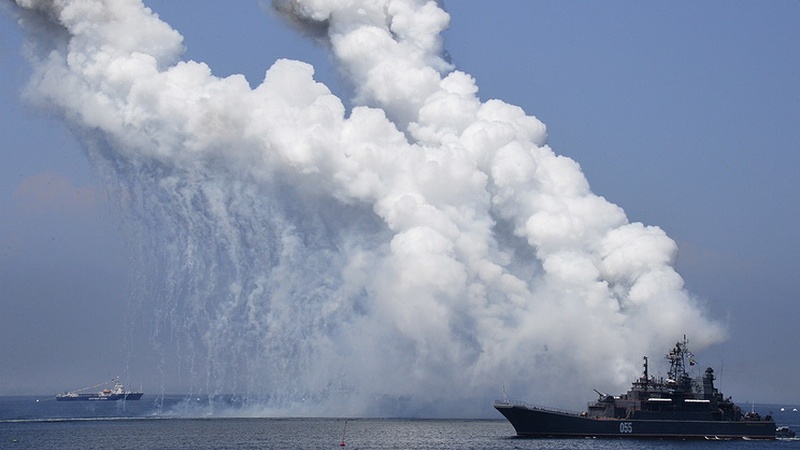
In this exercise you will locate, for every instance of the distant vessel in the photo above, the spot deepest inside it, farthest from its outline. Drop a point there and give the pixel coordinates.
(117, 393)
(678, 407)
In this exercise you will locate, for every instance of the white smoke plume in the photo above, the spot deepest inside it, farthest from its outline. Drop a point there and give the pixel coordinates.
(410, 256)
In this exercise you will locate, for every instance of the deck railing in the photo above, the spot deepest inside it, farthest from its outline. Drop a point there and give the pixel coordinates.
(539, 407)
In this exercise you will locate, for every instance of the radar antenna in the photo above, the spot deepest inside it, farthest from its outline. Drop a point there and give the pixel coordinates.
(677, 362)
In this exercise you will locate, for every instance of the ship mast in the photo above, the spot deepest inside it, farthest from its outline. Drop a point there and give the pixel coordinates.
(677, 363)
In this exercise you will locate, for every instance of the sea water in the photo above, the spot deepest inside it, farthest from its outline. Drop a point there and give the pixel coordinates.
(26, 423)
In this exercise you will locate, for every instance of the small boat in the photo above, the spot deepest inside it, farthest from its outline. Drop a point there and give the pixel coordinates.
(784, 432)
(678, 407)
(118, 392)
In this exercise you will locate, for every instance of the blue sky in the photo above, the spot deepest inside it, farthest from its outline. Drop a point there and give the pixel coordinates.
(685, 114)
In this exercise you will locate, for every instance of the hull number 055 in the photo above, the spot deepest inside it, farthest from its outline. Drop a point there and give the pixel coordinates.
(625, 427)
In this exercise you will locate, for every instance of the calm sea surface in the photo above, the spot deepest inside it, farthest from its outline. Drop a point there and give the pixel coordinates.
(26, 423)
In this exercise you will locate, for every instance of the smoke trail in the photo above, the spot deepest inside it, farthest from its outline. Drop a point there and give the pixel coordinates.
(409, 256)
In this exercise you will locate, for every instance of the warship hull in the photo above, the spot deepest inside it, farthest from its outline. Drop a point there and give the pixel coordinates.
(534, 422)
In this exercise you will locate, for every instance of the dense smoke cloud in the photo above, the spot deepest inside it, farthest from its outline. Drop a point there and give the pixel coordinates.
(411, 255)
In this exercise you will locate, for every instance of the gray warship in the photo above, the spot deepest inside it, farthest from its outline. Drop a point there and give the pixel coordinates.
(678, 407)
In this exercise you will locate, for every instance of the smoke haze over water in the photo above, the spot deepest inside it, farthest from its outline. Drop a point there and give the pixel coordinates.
(412, 255)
